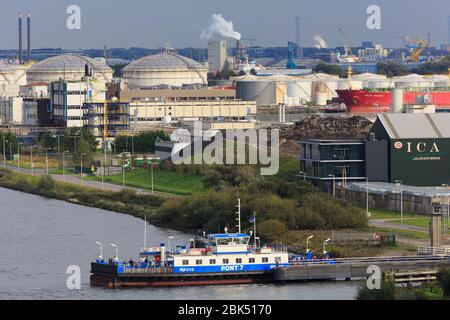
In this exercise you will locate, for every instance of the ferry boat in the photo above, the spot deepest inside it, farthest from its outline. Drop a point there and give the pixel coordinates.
(224, 258)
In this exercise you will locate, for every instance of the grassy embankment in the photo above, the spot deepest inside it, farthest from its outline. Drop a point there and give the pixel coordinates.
(125, 201)
(163, 181)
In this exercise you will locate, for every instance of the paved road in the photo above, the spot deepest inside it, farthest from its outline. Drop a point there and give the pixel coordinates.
(75, 179)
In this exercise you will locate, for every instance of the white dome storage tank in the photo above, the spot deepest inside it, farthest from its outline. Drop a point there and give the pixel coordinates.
(164, 69)
(67, 66)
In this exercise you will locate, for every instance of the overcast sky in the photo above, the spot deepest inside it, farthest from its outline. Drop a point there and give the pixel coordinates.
(153, 23)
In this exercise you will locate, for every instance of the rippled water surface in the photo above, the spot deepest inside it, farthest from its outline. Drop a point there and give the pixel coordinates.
(40, 238)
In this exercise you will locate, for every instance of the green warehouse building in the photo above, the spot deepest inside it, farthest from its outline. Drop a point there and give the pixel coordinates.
(412, 148)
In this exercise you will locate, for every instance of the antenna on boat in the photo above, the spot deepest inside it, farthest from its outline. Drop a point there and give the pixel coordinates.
(349, 77)
(239, 214)
(145, 231)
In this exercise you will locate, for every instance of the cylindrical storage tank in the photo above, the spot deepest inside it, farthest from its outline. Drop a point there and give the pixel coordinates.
(356, 84)
(379, 84)
(442, 84)
(330, 88)
(301, 89)
(263, 92)
(321, 98)
(397, 100)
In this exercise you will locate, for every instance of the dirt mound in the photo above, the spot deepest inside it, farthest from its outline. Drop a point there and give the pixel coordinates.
(317, 127)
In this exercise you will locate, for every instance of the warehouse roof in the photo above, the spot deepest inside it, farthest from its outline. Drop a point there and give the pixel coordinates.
(416, 126)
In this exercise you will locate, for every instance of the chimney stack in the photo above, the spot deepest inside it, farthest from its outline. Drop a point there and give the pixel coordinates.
(29, 37)
(20, 38)
(238, 52)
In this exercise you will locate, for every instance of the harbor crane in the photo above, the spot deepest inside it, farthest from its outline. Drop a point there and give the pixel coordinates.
(419, 45)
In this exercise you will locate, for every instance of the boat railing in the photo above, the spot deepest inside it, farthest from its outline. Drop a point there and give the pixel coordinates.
(140, 269)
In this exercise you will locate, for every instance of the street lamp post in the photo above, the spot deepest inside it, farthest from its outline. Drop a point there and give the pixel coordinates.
(324, 244)
(152, 174)
(401, 198)
(123, 173)
(448, 204)
(46, 159)
(64, 164)
(81, 167)
(307, 242)
(4, 152)
(57, 137)
(31, 160)
(367, 197)
(334, 184)
(18, 157)
(303, 174)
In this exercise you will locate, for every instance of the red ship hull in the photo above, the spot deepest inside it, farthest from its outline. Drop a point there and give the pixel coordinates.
(365, 101)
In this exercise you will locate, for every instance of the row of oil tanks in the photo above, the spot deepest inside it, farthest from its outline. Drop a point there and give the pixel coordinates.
(320, 89)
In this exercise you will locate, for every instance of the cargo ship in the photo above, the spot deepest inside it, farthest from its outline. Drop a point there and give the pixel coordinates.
(380, 100)
(224, 258)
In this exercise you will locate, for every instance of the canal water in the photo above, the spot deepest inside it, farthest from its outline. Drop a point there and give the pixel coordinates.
(40, 238)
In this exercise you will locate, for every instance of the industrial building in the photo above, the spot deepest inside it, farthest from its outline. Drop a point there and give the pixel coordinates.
(146, 114)
(326, 160)
(121, 91)
(413, 149)
(165, 69)
(68, 100)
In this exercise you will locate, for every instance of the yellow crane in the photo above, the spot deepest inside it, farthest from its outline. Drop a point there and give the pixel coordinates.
(421, 44)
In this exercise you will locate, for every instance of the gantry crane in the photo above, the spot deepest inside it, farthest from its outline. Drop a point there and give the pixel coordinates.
(420, 46)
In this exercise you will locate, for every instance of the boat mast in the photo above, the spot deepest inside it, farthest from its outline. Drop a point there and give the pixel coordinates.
(145, 231)
(239, 214)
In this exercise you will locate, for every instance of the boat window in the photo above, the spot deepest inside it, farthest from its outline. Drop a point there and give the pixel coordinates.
(185, 262)
(225, 261)
(199, 261)
(251, 260)
(212, 261)
(238, 260)
(265, 259)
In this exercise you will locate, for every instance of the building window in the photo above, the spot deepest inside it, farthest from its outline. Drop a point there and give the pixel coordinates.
(212, 261)
(341, 153)
(185, 262)
(251, 260)
(199, 261)
(238, 260)
(226, 261)
(265, 260)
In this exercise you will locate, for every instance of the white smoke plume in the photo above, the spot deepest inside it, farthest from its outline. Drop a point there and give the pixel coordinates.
(220, 26)
(319, 42)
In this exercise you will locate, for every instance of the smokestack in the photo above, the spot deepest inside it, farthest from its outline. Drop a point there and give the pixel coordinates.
(29, 37)
(238, 51)
(20, 38)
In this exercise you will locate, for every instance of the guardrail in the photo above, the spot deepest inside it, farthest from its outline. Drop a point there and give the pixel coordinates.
(433, 251)
(371, 260)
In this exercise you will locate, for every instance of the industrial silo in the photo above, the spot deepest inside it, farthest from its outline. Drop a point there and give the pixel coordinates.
(263, 91)
(300, 89)
(397, 100)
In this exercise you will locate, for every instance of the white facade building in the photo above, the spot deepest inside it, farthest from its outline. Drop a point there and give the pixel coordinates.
(217, 55)
(67, 99)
